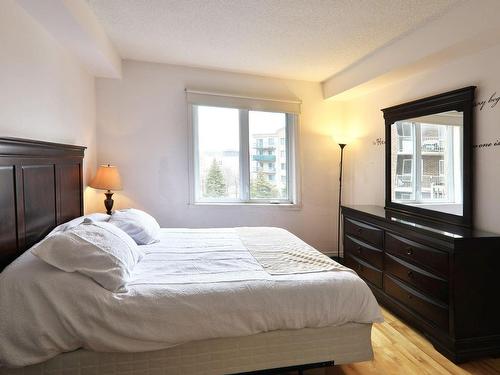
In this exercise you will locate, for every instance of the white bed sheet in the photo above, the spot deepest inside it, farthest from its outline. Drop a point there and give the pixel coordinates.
(194, 284)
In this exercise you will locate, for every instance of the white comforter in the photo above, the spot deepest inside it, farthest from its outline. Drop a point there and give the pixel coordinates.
(192, 285)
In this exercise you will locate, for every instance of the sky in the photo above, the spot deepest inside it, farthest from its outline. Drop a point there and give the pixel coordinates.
(218, 128)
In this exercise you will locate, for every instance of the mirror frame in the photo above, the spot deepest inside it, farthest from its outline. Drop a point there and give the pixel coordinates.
(461, 100)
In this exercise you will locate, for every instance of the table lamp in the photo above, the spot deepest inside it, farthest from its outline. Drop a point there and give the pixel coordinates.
(107, 178)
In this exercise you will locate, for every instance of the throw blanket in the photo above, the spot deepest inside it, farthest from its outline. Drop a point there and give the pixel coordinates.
(281, 253)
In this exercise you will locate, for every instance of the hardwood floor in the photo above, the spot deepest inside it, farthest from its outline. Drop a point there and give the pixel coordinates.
(400, 350)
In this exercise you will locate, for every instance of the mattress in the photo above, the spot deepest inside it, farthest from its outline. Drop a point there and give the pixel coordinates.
(191, 286)
(344, 344)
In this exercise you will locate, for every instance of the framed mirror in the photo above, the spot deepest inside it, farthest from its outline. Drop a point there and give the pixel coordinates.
(428, 157)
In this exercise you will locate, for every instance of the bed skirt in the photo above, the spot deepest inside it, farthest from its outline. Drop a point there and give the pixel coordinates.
(343, 344)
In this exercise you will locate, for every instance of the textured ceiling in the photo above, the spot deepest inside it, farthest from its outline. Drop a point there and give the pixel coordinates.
(300, 39)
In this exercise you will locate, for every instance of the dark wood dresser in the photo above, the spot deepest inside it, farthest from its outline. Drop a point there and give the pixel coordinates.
(442, 279)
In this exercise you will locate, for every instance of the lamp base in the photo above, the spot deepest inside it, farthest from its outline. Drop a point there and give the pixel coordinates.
(108, 202)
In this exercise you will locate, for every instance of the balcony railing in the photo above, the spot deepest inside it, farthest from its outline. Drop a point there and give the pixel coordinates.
(266, 158)
(265, 170)
(428, 181)
(432, 144)
(403, 181)
(433, 187)
(264, 147)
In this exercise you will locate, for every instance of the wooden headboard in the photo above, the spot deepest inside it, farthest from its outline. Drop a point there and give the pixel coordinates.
(40, 187)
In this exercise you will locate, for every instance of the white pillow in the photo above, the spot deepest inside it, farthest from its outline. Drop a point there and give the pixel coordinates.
(73, 223)
(139, 225)
(98, 250)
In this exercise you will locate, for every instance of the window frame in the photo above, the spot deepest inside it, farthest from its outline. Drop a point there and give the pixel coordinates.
(292, 167)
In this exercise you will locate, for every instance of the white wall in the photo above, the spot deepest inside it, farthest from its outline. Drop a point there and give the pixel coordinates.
(363, 118)
(142, 128)
(44, 93)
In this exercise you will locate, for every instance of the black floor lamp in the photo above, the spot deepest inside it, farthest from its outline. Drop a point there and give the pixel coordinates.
(341, 145)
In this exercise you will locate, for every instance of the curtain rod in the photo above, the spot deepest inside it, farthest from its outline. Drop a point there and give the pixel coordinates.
(242, 97)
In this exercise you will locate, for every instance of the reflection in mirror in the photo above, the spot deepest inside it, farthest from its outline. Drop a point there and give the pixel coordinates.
(427, 162)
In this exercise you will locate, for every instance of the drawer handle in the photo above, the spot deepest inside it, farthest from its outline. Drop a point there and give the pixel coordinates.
(410, 274)
(410, 296)
(359, 230)
(409, 250)
(359, 249)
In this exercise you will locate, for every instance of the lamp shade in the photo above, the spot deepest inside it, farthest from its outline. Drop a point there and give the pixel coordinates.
(107, 178)
(342, 139)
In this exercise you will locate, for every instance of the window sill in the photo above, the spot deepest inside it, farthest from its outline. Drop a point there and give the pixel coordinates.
(284, 206)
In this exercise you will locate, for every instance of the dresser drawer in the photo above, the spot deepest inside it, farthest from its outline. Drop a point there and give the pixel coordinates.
(364, 270)
(361, 250)
(433, 311)
(420, 279)
(416, 253)
(372, 235)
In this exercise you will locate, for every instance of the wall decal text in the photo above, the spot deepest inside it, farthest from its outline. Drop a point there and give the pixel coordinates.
(488, 144)
(492, 102)
(378, 142)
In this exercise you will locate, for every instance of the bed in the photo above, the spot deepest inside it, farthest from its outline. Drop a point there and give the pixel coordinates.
(205, 301)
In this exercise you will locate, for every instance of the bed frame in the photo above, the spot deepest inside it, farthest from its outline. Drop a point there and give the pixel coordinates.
(41, 187)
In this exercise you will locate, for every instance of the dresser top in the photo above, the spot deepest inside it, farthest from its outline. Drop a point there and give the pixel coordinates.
(419, 224)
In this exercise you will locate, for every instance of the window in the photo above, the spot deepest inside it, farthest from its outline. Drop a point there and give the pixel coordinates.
(424, 162)
(218, 161)
(405, 137)
(405, 129)
(234, 155)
